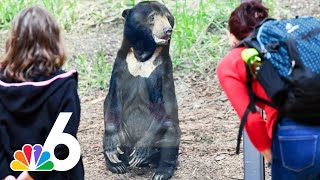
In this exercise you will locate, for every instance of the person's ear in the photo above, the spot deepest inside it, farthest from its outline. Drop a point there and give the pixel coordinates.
(125, 13)
(232, 39)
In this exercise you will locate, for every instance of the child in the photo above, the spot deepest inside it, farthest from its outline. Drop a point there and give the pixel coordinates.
(33, 91)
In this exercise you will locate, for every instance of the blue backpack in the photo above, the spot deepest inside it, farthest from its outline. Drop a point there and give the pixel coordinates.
(290, 69)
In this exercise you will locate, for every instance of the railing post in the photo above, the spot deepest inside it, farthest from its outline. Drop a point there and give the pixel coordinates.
(253, 161)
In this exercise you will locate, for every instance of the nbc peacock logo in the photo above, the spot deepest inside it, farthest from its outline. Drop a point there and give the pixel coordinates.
(32, 158)
(42, 158)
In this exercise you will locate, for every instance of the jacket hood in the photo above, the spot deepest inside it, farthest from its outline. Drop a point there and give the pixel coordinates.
(27, 97)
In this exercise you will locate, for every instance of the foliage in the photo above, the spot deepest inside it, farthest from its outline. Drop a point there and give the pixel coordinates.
(92, 74)
(63, 10)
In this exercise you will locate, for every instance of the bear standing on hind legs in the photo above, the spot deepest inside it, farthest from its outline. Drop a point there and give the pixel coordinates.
(140, 110)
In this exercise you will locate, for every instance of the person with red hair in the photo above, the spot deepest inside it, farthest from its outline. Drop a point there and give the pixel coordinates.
(292, 148)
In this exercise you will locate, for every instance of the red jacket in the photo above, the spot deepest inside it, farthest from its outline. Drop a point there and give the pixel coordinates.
(231, 73)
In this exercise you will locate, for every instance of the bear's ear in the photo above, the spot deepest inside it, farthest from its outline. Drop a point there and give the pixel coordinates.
(125, 13)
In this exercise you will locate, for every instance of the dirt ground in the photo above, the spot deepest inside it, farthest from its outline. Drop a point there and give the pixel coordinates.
(208, 123)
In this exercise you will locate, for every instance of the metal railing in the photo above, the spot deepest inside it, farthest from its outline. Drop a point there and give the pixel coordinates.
(253, 161)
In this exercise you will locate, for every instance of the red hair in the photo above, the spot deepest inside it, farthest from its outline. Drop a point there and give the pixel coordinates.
(245, 18)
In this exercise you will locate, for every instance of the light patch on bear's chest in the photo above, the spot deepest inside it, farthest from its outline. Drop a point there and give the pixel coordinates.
(143, 69)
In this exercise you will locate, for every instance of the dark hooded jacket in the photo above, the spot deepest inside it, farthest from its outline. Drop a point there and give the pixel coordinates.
(28, 111)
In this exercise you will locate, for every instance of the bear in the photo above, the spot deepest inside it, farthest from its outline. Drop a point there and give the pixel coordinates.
(140, 110)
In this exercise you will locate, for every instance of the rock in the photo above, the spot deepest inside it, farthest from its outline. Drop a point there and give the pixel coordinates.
(220, 157)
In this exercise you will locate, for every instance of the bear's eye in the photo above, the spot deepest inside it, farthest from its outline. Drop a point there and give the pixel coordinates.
(168, 17)
(151, 18)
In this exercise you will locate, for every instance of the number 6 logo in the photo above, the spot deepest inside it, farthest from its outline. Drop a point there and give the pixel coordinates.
(56, 137)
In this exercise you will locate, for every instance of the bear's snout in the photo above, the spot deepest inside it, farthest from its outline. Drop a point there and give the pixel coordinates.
(167, 31)
(162, 30)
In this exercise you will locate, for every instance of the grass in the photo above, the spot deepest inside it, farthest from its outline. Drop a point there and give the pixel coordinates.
(198, 40)
(93, 74)
(200, 36)
(63, 10)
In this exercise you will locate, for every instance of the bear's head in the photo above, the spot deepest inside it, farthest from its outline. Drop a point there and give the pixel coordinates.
(148, 25)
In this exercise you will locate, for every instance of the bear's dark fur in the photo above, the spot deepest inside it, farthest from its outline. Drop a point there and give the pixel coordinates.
(140, 110)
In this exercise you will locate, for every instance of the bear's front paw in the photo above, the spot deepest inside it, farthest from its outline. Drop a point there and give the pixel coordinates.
(139, 155)
(113, 154)
(119, 168)
(112, 149)
(163, 173)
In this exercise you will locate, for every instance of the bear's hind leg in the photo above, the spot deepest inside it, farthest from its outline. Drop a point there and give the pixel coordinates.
(169, 150)
(167, 164)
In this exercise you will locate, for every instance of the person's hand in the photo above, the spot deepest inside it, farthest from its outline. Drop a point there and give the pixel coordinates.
(10, 178)
(25, 176)
(267, 155)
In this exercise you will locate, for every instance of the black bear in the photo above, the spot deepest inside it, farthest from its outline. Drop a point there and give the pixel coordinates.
(140, 110)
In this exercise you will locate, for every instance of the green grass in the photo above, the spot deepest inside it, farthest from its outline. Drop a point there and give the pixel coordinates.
(199, 34)
(271, 5)
(94, 73)
(63, 10)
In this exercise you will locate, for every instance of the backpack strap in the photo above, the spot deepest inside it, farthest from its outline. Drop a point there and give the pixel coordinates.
(251, 106)
(251, 40)
(268, 103)
(265, 20)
